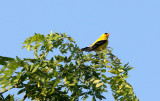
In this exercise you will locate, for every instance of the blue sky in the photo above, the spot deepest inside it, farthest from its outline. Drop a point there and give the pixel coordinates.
(133, 25)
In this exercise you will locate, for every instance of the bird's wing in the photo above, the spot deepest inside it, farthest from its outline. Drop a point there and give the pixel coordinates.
(98, 44)
(87, 49)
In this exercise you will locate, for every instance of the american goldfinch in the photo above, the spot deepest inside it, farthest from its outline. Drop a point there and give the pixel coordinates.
(99, 45)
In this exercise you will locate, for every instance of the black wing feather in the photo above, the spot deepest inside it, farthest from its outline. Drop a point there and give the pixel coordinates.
(99, 43)
(87, 49)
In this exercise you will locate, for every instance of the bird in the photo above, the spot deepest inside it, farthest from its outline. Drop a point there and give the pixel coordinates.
(99, 45)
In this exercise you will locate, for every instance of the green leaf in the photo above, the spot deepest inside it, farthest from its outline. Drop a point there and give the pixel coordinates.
(120, 70)
(35, 68)
(103, 70)
(18, 58)
(128, 86)
(71, 84)
(92, 79)
(21, 91)
(56, 37)
(113, 71)
(4, 60)
(99, 84)
(2, 76)
(9, 98)
(96, 81)
(3, 89)
(104, 76)
(28, 47)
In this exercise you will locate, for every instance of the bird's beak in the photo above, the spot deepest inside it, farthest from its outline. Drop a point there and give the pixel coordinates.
(108, 34)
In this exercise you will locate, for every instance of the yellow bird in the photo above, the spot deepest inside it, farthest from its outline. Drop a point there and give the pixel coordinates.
(99, 45)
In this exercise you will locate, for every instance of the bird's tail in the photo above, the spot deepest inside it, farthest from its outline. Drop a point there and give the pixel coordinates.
(87, 49)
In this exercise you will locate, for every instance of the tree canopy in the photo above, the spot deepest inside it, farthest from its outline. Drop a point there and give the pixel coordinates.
(69, 75)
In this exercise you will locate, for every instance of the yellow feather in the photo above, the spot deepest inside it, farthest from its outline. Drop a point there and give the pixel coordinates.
(102, 37)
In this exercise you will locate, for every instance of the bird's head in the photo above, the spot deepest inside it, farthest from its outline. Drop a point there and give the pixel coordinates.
(106, 34)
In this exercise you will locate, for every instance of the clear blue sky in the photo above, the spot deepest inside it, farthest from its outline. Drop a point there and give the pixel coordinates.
(134, 26)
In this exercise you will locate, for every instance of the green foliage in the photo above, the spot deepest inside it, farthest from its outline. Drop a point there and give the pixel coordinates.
(8, 98)
(69, 75)
(3, 60)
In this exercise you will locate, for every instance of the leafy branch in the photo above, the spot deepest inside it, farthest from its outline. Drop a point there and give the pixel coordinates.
(67, 76)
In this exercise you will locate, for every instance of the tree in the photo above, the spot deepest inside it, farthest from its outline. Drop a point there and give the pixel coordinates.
(68, 76)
